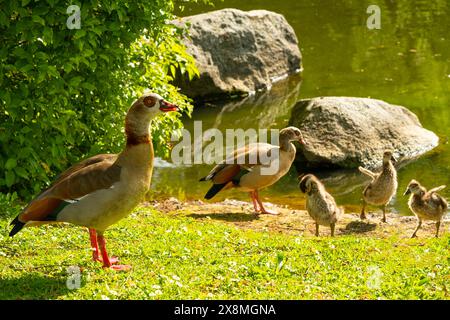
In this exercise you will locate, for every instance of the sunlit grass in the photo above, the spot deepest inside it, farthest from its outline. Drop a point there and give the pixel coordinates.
(177, 257)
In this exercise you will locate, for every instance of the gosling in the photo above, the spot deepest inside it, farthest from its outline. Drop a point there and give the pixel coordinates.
(319, 203)
(383, 186)
(426, 205)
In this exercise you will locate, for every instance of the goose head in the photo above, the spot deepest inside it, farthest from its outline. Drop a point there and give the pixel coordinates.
(388, 155)
(292, 134)
(143, 110)
(413, 187)
(151, 104)
(309, 183)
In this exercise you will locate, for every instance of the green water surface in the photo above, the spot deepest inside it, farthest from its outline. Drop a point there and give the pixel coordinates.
(406, 62)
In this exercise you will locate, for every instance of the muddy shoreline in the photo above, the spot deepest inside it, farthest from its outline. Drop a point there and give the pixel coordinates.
(296, 222)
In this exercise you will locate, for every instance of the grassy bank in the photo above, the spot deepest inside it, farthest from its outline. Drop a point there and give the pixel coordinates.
(176, 255)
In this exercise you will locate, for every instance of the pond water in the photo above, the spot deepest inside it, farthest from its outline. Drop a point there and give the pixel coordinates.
(406, 62)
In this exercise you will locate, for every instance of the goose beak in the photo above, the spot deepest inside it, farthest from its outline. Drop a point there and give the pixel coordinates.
(302, 141)
(407, 192)
(166, 106)
(394, 159)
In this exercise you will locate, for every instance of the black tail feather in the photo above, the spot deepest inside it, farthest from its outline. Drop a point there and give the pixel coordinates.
(202, 179)
(17, 227)
(214, 190)
(16, 219)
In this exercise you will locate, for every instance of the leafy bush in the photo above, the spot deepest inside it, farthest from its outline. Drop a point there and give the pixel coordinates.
(64, 92)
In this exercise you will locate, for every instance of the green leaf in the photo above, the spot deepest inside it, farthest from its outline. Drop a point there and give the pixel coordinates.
(280, 261)
(10, 178)
(6, 96)
(21, 172)
(79, 34)
(172, 70)
(68, 67)
(41, 55)
(38, 19)
(75, 81)
(88, 86)
(104, 57)
(10, 163)
(4, 21)
(52, 71)
(48, 35)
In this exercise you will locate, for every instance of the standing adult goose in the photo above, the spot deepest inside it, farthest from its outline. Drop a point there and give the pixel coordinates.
(383, 186)
(426, 205)
(103, 189)
(251, 168)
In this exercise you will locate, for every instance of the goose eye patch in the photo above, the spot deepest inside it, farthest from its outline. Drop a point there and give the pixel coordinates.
(149, 101)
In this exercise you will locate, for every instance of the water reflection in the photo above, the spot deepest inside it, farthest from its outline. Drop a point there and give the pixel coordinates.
(269, 109)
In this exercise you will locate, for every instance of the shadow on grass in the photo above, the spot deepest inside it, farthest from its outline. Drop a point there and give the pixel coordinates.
(33, 286)
(358, 227)
(231, 217)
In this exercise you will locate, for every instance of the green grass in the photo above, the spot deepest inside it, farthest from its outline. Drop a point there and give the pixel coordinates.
(177, 257)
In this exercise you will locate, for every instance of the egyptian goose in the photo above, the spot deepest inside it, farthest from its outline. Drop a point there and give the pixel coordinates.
(426, 205)
(245, 168)
(105, 188)
(320, 205)
(383, 186)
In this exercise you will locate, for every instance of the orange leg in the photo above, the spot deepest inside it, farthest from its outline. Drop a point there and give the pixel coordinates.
(94, 245)
(95, 251)
(263, 210)
(255, 203)
(107, 261)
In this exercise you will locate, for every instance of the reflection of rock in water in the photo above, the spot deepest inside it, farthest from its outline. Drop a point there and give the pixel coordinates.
(269, 109)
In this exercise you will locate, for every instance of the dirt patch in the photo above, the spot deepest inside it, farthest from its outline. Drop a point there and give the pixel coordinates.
(296, 222)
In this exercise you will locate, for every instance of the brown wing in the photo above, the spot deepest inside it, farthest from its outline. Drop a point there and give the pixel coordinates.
(243, 158)
(81, 179)
(226, 174)
(368, 173)
(85, 163)
(250, 155)
(436, 198)
(444, 203)
(437, 189)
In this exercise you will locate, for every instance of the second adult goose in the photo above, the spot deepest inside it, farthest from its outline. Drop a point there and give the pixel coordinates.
(248, 169)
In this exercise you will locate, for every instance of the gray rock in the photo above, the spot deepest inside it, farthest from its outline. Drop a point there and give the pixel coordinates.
(238, 52)
(347, 132)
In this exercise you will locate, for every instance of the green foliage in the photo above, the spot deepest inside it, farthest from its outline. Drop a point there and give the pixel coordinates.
(64, 92)
(9, 206)
(178, 257)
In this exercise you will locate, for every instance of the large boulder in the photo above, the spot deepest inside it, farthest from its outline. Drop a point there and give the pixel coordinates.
(349, 132)
(238, 52)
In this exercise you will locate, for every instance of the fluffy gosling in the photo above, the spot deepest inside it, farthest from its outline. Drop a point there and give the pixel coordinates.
(426, 205)
(383, 186)
(320, 205)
